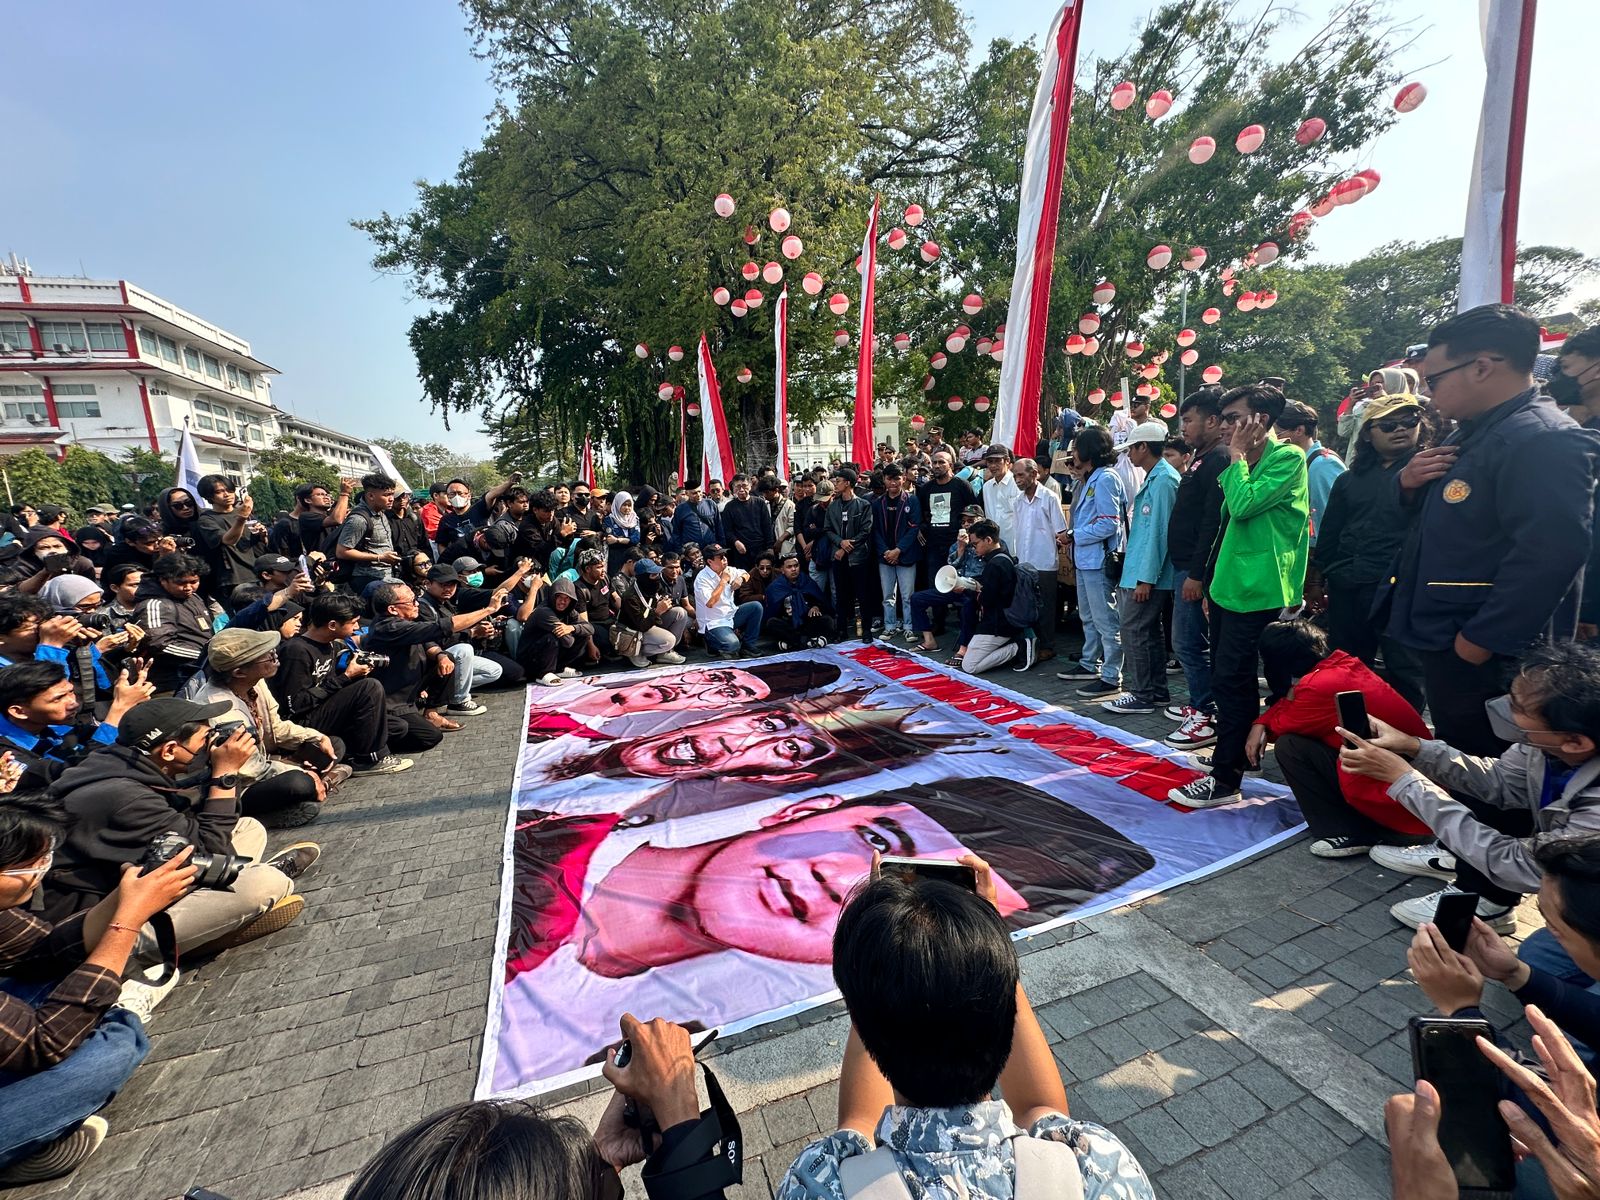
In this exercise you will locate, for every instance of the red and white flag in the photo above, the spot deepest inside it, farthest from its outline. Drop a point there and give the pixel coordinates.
(1489, 246)
(780, 399)
(716, 457)
(1016, 410)
(862, 450)
(683, 445)
(586, 466)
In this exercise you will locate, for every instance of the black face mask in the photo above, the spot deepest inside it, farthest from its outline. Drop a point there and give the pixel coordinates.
(1564, 390)
(580, 502)
(197, 771)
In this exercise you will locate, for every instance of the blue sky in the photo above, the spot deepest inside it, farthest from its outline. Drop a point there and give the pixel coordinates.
(215, 154)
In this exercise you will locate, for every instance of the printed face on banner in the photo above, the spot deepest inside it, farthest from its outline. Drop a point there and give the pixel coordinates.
(682, 843)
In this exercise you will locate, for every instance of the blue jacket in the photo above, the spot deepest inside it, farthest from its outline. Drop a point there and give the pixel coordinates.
(1099, 519)
(966, 561)
(804, 592)
(907, 522)
(689, 524)
(1323, 466)
(1147, 560)
(1498, 549)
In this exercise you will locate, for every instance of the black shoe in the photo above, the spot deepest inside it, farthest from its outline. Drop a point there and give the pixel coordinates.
(292, 816)
(1028, 647)
(783, 647)
(1100, 688)
(294, 861)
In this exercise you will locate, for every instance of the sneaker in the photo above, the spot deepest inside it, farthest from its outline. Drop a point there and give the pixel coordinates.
(638, 661)
(875, 629)
(548, 679)
(818, 643)
(670, 659)
(1202, 793)
(336, 774)
(1100, 688)
(1429, 859)
(570, 672)
(1196, 732)
(1340, 847)
(1174, 667)
(1078, 674)
(1028, 649)
(140, 996)
(294, 861)
(274, 919)
(469, 708)
(61, 1157)
(1179, 712)
(1128, 706)
(1413, 912)
(393, 764)
(292, 816)
(913, 638)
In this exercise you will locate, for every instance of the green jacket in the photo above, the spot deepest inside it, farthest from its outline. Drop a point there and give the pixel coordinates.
(1259, 561)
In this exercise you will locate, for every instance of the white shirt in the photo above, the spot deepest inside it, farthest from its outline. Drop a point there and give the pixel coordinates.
(1037, 522)
(999, 498)
(718, 615)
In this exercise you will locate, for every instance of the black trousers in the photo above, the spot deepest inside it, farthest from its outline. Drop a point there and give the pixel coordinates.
(782, 629)
(1235, 658)
(857, 586)
(355, 714)
(1310, 769)
(511, 673)
(1457, 690)
(409, 731)
(541, 654)
(1353, 629)
(1515, 822)
(288, 789)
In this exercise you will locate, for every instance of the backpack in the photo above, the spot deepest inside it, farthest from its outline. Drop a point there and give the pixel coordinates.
(343, 568)
(1025, 608)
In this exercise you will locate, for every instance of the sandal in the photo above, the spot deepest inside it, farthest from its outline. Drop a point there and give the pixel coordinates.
(954, 661)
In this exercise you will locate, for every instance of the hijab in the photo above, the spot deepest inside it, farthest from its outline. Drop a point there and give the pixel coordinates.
(65, 592)
(628, 520)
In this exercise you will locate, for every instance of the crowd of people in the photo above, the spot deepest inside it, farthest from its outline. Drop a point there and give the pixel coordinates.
(178, 684)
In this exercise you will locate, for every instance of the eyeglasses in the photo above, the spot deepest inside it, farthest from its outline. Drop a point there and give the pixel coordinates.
(1395, 424)
(31, 872)
(1232, 418)
(1433, 380)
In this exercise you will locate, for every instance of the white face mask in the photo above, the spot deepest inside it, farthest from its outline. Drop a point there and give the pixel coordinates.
(459, 501)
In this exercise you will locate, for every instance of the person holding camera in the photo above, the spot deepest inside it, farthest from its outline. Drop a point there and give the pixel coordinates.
(938, 1019)
(227, 536)
(322, 683)
(279, 581)
(46, 554)
(176, 618)
(30, 631)
(295, 766)
(71, 1031)
(44, 726)
(170, 781)
(646, 612)
(444, 594)
(416, 648)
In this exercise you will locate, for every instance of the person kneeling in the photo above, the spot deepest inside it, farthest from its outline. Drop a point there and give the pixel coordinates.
(938, 1018)
(646, 612)
(73, 1033)
(169, 778)
(995, 642)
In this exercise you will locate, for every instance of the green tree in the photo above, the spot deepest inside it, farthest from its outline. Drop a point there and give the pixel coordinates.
(295, 467)
(420, 462)
(35, 477)
(94, 478)
(149, 471)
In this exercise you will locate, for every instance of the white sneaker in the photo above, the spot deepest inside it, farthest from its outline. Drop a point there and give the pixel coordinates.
(1202, 793)
(1194, 734)
(550, 679)
(1413, 912)
(670, 659)
(1179, 712)
(141, 995)
(1430, 860)
(61, 1157)
(639, 662)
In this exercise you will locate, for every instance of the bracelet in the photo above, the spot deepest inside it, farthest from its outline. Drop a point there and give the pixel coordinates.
(133, 929)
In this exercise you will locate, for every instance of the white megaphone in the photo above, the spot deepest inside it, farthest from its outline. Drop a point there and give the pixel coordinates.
(947, 579)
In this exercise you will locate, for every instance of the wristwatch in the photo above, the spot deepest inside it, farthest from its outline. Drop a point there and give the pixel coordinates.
(225, 781)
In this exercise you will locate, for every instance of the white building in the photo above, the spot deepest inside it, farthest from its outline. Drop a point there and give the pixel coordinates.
(107, 365)
(820, 444)
(350, 456)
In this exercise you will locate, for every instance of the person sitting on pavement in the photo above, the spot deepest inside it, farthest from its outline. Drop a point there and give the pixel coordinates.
(596, 600)
(279, 581)
(46, 554)
(727, 628)
(95, 655)
(170, 774)
(294, 767)
(555, 637)
(30, 631)
(1496, 811)
(71, 1031)
(798, 612)
(417, 648)
(939, 1021)
(321, 683)
(964, 558)
(45, 728)
(755, 583)
(176, 618)
(1347, 814)
(120, 584)
(442, 595)
(646, 610)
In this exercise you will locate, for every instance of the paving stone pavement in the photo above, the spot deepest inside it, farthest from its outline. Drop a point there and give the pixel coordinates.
(1238, 1033)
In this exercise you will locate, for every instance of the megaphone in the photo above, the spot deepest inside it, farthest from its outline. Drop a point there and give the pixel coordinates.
(947, 579)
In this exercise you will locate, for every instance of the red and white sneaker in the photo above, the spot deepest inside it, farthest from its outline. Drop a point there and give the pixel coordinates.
(1197, 731)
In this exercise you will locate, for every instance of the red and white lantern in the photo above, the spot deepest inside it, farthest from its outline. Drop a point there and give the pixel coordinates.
(693, 410)
(918, 421)
(1409, 97)
(838, 304)
(753, 298)
(972, 304)
(1211, 316)
(1246, 301)
(1075, 343)
(984, 346)
(1089, 323)
(1159, 358)
(1266, 299)
(664, 392)
(1150, 370)
(1250, 139)
(937, 361)
(1194, 258)
(1133, 349)
(1123, 95)
(929, 251)
(811, 283)
(1104, 292)
(738, 308)
(778, 218)
(1322, 206)
(981, 404)
(744, 375)
(927, 383)
(1118, 399)
(792, 247)
(1201, 150)
(954, 403)
(914, 215)
(752, 235)
(841, 338)
(1189, 357)
(955, 343)
(1091, 347)
(1159, 104)
(723, 205)
(1169, 411)
(998, 351)
(1186, 337)
(902, 342)
(772, 272)
(641, 351)
(1145, 389)
(751, 271)
(1266, 253)
(1372, 178)
(1158, 258)
(1311, 130)
(1211, 374)
(1096, 396)
(675, 353)
(721, 295)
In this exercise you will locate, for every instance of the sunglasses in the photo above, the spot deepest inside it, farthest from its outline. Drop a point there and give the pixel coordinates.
(1395, 424)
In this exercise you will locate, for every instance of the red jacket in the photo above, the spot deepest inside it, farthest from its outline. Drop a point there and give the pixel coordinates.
(1310, 710)
(430, 516)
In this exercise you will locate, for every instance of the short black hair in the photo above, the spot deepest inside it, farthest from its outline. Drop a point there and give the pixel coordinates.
(244, 595)
(22, 681)
(1501, 329)
(330, 607)
(376, 482)
(116, 574)
(515, 493)
(302, 492)
(29, 826)
(1206, 399)
(1260, 397)
(544, 498)
(893, 471)
(1586, 342)
(929, 976)
(177, 566)
(1565, 677)
(1290, 649)
(386, 594)
(16, 608)
(207, 486)
(1298, 415)
(983, 528)
(1574, 863)
(1176, 444)
(1095, 446)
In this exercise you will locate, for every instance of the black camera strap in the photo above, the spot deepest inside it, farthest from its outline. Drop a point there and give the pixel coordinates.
(709, 1158)
(167, 942)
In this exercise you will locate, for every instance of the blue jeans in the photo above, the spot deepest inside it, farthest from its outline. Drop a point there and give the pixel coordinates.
(1191, 642)
(888, 577)
(1102, 633)
(38, 1108)
(746, 629)
(471, 671)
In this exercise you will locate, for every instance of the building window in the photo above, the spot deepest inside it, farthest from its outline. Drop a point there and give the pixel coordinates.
(191, 359)
(78, 408)
(63, 333)
(75, 389)
(213, 367)
(844, 434)
(14, 336)
(255, 434)
(105, 336)
(247, 381)
(22, 410)
(169, 349)
(148, 343)
(21, 389)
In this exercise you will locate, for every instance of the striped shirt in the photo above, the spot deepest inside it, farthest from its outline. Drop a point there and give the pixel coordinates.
(33, 1038)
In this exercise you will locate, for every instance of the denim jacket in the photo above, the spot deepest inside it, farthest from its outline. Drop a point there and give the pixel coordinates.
(1099, 519)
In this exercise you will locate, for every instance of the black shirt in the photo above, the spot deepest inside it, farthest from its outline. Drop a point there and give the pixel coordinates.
(230, 565)
(1197, 510)
(942, 504)
(307, 674)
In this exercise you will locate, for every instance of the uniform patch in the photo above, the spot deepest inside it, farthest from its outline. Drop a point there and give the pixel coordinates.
(1456, 491)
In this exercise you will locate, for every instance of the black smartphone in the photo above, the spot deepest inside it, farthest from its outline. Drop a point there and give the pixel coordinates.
(1472, 1133)
(1454, 918)
(913, 869)
(1353, 713)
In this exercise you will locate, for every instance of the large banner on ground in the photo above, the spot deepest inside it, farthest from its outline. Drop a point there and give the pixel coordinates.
(680, 841)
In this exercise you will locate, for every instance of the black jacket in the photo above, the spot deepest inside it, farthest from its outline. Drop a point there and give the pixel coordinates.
(999, 581)
(177, 633)
(1363, 524)
(1196, 511)
(748, 521)
(308, 673)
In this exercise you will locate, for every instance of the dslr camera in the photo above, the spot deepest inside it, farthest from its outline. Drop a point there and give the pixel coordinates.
(215, 870)
(368, 658)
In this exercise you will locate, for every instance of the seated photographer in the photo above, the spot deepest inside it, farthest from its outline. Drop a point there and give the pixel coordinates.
(278, 581)
(505, 1149)
(646, 612)
(556, 640)
(417, 652)
(169, 780)
(94, 655)
(1547, 784)
(47, 729)
(46, 554)
(72, 1034)
(288, 778)
(798, 612)
(322, 683)
(30, 631)
(444, 594)
(177, 620)
(938, 1018)
(1347, 814)
(142, 542)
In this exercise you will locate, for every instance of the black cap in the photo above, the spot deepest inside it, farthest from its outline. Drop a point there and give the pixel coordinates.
(713, 551)
(275, 562)
(443, 573)
(146, 725)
